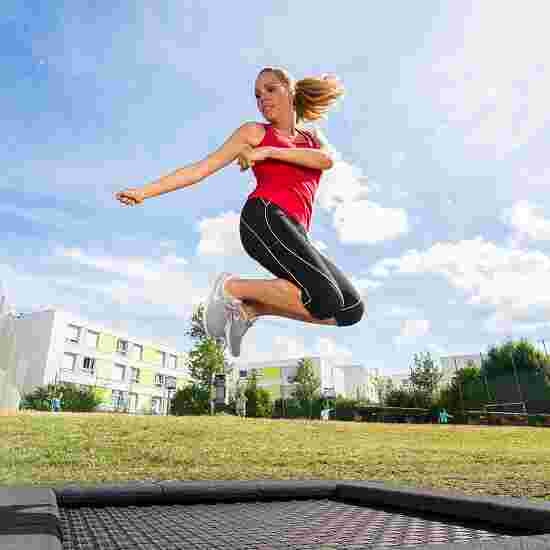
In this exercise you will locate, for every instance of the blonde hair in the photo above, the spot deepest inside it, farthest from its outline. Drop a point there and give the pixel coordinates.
(313, 96)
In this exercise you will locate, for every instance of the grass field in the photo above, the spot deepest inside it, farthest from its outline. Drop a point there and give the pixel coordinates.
(48, 449)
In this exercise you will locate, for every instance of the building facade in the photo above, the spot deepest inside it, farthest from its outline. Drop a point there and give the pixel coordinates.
(278, 377)
(127, 373)
(449, 364)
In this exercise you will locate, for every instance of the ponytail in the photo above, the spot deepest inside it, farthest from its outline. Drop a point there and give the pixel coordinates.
(313, 96)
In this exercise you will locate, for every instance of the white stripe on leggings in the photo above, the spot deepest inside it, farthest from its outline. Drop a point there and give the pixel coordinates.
(302, 259)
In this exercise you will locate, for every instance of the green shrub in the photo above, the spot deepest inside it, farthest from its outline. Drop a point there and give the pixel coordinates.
(190, 400)
(74, 399)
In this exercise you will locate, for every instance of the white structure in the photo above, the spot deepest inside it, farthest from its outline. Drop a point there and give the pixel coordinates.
(359, 382)
(401, 380)
(129, 373)
(278, 377)
(10, 378)
(449, 364)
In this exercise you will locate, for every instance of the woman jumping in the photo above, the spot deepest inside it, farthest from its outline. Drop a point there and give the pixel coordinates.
(287, 161)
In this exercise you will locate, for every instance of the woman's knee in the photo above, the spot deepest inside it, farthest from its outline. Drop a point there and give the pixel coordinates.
(324, 305)
(352, 315)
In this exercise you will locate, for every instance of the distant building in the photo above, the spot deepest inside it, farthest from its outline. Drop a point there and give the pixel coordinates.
(277, 377)
(128, 373)
(449, 364)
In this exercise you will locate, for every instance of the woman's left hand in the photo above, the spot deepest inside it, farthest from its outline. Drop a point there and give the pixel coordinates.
(250, 156)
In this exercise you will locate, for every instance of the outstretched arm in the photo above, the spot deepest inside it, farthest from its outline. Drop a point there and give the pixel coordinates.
(320, 159)
(193, 173)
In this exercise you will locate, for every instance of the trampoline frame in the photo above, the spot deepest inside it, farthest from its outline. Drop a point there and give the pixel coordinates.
(30, 519)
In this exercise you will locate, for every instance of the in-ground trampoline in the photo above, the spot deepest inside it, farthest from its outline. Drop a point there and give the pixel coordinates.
(265, 515)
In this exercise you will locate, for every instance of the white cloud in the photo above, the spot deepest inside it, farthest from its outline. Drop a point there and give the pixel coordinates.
(527, 221)
(512, 281)
(411, 330)
(328, 348)
(493, 80)
(368, 222)
(142, 281)
(59, 219)
(132, 267)
(343, 183)
(220, 236)
(344, 190)
(365, 283)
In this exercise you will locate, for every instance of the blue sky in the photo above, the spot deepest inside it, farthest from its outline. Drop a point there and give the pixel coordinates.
(437, 206)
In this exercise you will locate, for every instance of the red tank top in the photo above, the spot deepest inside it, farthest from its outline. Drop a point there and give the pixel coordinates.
(290, 186)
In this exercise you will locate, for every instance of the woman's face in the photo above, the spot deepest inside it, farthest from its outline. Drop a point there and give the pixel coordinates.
(272, 96)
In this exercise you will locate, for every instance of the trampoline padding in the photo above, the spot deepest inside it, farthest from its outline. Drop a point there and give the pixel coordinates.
(530, 517)
(193, 492)
(29, 519)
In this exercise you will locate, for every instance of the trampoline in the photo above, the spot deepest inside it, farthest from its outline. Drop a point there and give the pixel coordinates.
(274, 515)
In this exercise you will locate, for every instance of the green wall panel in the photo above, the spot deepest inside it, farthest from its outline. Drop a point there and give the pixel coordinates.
(151, 355)
(104, 394)
(107, 343)
(274, 390)
(146, 376)
(104, 368)
(144, 403)
(272, 373)
(181, 382)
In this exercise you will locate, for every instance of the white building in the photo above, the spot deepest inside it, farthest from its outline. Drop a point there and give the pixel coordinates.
(449, 364)
(128, 373)
(278, 377)
(359, 382)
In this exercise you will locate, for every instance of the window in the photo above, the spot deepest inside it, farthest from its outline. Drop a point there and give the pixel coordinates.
(170, 382)
(122, 346)
(162, 358)
(69, 360)
(92, 339)
(137, 352)
(88, 365)
(72, 334)
(118, 399)
(134, 374)
(172, 362)
(132, 401)
(160, 379)
(118, 372)
(156, 405)
(243, 373)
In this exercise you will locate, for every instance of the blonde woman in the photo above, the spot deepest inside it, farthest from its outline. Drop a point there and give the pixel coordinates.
(287, 161)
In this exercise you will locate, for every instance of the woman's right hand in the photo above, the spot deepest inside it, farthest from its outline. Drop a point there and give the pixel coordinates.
(130, 197)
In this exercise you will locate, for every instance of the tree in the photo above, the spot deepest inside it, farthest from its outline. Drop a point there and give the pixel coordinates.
(207, 358)
(204, 361)
(307, 383)
(399, 397)
(517, 371)
(466, 390)
(425, 375)
(383, 387)
(191, 399)
(196, 328)
(258, 402)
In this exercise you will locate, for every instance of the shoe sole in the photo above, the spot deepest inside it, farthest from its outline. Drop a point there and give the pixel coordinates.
(210, 297)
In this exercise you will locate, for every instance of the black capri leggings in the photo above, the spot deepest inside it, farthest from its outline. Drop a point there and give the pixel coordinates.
(281, 245)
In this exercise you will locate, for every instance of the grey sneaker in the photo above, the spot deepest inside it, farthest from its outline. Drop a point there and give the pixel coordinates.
(235, 328)
(214, 316)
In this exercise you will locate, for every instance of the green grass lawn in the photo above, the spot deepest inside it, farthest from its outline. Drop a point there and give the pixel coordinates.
(49, 449)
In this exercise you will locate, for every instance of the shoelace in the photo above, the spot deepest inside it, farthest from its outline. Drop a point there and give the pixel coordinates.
(233, 312)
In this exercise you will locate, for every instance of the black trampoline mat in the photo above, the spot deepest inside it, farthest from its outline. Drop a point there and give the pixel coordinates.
(275, 525)
(265, 514)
